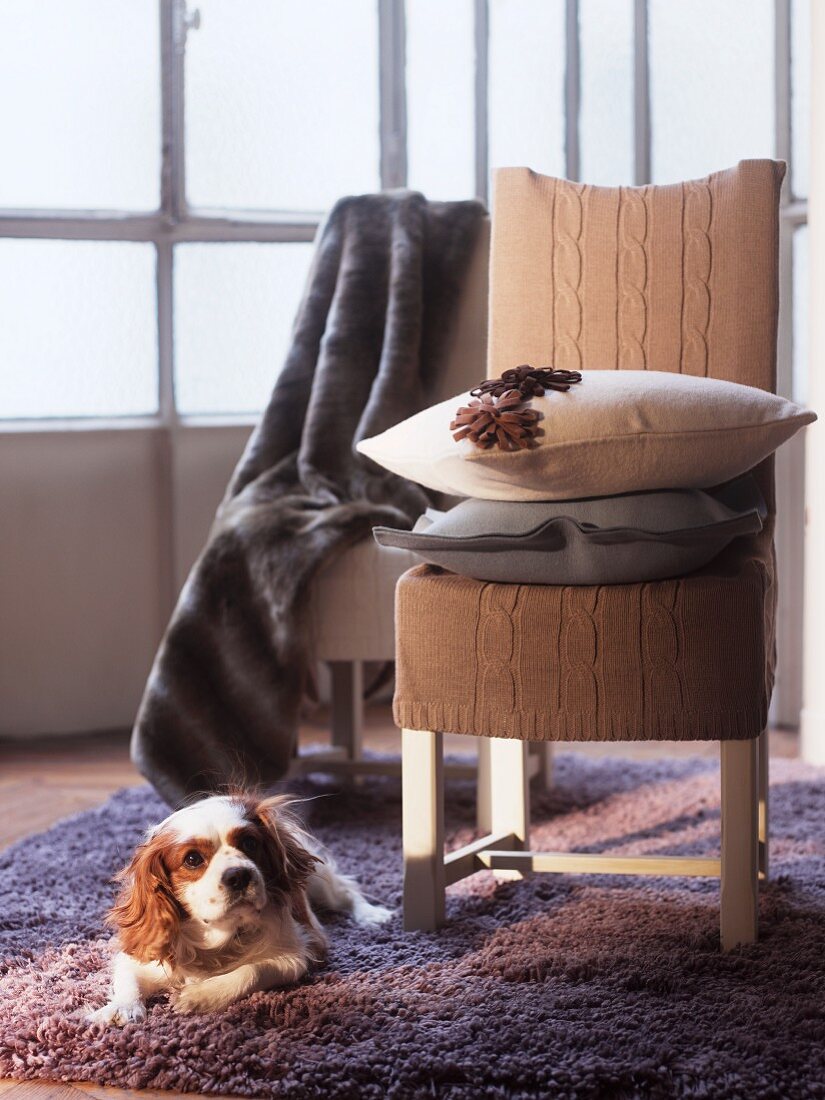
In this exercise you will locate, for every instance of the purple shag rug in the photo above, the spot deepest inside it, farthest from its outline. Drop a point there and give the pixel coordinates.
(554, 986)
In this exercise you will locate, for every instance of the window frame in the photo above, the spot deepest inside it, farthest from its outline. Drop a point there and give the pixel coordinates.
(176, 222)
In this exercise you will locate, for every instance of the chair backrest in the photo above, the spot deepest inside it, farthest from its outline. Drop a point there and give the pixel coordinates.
(681, 277)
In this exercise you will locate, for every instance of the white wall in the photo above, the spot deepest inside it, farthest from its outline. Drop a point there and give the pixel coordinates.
(90, 563)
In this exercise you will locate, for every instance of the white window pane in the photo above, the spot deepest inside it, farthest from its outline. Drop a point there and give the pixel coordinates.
(441, 97)
(78, 335)
(606, 118)
(712, 85)
(801, 94)
(80, 88)
(801, 297)
(234, 308)
(526, 93)
(282, 103)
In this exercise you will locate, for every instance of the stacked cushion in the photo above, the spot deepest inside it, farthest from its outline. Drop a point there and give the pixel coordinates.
(615, 488)
(605, 540)
(614, 432)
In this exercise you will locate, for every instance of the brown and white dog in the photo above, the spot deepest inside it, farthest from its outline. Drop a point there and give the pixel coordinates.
(217, 903)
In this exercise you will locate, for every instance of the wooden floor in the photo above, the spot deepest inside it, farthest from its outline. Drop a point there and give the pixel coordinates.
(47, 778)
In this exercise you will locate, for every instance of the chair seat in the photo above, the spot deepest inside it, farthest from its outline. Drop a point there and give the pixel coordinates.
(351, 603)
(683, 659)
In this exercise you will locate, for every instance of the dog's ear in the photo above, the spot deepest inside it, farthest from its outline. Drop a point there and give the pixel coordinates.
(147, 914)
(289, 862)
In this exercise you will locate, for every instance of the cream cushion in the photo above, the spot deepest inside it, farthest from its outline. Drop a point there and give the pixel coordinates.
(614, 432)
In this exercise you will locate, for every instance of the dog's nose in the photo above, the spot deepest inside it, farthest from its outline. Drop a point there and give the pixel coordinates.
(236, 879)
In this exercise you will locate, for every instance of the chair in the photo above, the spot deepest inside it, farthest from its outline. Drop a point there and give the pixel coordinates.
(679, 278)
(351, 601)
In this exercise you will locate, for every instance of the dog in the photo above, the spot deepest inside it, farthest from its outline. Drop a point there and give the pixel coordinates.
(217, 903)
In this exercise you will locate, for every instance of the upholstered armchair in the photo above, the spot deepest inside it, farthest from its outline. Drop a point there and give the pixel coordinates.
(676, 278)
(351, 607)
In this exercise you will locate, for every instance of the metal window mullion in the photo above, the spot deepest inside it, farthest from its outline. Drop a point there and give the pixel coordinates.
(156, 227)
(782, 88)
(642, 135)
(167, 439)
(481, 99)
(173, 45)
(392, 92)
(572, 91)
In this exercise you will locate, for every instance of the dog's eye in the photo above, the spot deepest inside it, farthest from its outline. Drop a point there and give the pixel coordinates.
(193, 859)
(248, 844)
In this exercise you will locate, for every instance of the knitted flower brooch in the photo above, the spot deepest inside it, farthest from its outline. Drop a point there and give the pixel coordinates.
(500, 414)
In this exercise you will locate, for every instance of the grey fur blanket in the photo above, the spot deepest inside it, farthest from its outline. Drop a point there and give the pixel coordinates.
(223, 698)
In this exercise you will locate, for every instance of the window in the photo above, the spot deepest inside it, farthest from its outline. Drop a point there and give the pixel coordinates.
(155, 235)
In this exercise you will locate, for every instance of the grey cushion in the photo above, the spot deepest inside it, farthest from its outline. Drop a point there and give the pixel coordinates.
(603, 540)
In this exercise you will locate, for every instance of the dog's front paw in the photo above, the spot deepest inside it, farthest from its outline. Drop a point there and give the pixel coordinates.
(117, 1014)
(206, 996)
(367, 913)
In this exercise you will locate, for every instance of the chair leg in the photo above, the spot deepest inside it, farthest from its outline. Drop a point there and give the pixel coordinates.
(422, 789)
(510, 793)
(347, 706)
(764, 819)
(740, 843)
(484, 809)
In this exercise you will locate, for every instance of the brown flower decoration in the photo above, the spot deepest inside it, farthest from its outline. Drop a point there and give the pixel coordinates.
(506, 422)
(529, 381)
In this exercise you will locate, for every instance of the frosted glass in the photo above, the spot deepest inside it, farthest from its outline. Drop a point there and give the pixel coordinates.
(282, 103)
(441, 98)
(80, 88)
(78, 335)
(234, 308)
(801, 299)
(606, 111)
(526, 92)
(800, 95)
(712, 85)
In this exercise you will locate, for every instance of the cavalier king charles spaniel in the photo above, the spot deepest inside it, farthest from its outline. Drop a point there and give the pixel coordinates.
(218, 903)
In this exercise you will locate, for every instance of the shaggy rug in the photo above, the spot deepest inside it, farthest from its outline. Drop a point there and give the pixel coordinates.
(554, 986)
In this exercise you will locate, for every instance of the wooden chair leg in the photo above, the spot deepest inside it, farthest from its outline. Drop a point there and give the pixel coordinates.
(347, 706)
(484, 809)
(422, 790)
(764, 819)
(510, 793)
(740, 843)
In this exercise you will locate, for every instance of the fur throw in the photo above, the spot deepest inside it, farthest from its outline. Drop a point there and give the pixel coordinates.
(223, 698)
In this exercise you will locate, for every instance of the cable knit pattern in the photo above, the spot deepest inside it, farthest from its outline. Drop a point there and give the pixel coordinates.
(681, 277)
(495, 644)
(697, 211)
(632, 278)
(660, 646)
(567, 274)
(577, 655)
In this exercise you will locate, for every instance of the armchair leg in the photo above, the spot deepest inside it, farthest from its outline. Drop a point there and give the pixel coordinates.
(422, 789)
(740, 843)
(510, 793)
(347, 706)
